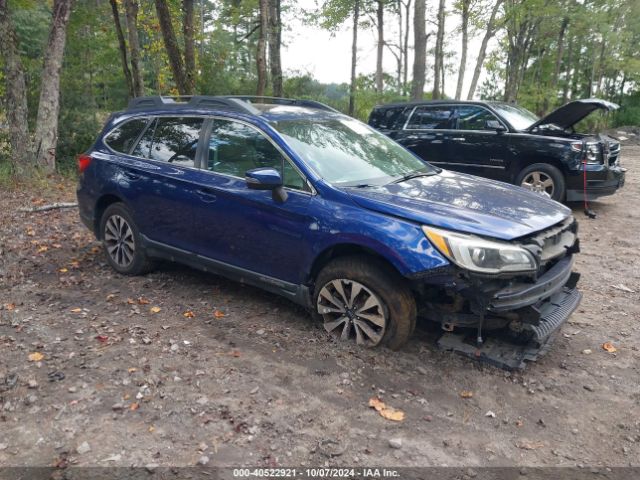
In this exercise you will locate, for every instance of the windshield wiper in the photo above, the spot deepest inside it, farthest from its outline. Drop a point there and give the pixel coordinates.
(409, 176)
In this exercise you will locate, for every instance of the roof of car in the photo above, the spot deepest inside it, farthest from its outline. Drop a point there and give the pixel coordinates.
(439, 102)
(269, 108)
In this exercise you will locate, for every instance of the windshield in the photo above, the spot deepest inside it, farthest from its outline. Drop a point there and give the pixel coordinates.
(520, 118)
(346, 152)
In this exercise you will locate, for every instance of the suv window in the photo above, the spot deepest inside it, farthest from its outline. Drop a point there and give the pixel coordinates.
(431, 117)
(473, 117)
(175, 140)
(123, 137)
(235, 147)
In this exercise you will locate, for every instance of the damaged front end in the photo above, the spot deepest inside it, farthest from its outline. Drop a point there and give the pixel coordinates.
(505, 317)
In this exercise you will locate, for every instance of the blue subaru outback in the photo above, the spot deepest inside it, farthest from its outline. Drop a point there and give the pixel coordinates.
(307, 203)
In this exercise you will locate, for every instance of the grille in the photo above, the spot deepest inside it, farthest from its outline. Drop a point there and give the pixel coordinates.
(613, 155)
(554, 241)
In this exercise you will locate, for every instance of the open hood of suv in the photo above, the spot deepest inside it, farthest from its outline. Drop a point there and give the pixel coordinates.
(571, 113)
(464, 203)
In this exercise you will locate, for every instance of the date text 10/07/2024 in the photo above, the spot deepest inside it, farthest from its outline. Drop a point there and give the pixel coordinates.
(337, 473)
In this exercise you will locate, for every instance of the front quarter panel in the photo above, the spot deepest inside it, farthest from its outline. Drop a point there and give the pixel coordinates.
(400, 242)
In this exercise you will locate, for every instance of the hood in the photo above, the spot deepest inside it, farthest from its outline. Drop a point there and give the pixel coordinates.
(464, 203)
(571, 113)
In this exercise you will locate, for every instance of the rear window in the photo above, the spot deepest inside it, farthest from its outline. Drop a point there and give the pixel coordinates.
(432, 118)
(122, 138)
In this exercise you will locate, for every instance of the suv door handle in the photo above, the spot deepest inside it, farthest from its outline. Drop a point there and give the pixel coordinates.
(459, 139)
(207, 195)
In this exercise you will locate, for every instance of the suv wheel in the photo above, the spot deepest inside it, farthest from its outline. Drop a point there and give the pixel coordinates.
(122, 243)
(363, 300)
(543, 178)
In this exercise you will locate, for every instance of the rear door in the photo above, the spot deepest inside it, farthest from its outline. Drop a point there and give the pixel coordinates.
(157, 176)
(427, 132)
(247, 228)
(475, 148)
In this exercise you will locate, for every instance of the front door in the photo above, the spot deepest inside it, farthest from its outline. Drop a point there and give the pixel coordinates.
(248, 228)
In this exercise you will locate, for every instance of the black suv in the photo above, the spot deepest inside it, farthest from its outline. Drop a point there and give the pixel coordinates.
(506, 142)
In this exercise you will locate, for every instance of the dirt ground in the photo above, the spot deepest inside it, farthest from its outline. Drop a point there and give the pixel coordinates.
(180, 367)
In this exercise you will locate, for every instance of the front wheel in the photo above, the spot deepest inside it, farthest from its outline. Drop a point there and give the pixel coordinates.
(544, 179)
(360, 299)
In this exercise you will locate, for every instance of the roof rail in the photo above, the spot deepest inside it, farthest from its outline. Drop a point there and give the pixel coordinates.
(236, 103)
(284, 101)
(195, 101)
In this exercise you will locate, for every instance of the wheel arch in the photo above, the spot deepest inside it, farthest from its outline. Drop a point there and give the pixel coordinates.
(532, 160)
(101, 205)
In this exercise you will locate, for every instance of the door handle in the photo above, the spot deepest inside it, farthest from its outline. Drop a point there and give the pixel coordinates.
(206, 195)
(459, 139)
(131, 176)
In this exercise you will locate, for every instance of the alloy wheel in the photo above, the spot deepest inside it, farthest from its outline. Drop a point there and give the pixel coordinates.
(539, 182)
(351, 311)
(119, 241)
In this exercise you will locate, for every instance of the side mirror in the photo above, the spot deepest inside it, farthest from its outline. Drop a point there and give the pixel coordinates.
(495, 125)
(266, 178)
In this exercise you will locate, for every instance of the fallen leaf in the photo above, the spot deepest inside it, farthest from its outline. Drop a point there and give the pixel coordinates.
(102, 338)
(75, 264)
(131, 301)
(134, 406)
(526, 445)
(111, 296)
(143, 301)
(189, 314)
(76, 310)
(31, 232)
(35, 356)
(386, 412)
(63, 270)
(152, 429)
(42, 249)
(95, 249)
(218, 314)
(132, 369)
(609, 347)
(10, 306)
(519, 423)
(155, 309)
(466, 394)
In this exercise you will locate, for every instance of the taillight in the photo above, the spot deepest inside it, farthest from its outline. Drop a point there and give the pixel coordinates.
(83, 162)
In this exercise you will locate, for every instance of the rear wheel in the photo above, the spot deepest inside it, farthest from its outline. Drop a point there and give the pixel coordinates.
(362, 300)
(122, 243)
(544, 179)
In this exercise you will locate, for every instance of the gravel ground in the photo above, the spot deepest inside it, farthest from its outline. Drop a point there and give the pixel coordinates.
(180, 367)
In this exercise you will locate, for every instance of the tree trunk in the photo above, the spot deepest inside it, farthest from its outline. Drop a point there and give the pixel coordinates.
(420, 47)
(439, 54)
(46, 133)
(188, 32)
(488, 34)
(15, 94)
(261, 55)
(171, 45)
(354, 58)
(131, 9)
(405, 48)
(464, 5)
(556, 71)
(567, 75)
(275, 44)
(122, 46)
(380, 26)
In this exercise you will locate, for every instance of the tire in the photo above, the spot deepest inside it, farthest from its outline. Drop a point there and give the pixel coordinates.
(534, 177)
(122, 242)
(374, 283)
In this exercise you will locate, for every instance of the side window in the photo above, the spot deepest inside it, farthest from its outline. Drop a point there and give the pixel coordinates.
(235, 147)
(175, 140)
(471, 117)
(143, 148)
(122, 138)
(431, 118)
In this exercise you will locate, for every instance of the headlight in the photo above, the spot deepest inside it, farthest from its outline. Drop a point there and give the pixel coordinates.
(593, 153)
(480, 255)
